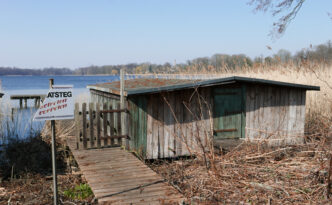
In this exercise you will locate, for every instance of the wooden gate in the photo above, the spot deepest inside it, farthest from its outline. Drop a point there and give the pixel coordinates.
(100, 126)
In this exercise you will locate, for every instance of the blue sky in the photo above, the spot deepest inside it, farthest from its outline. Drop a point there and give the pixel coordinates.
(37, 34)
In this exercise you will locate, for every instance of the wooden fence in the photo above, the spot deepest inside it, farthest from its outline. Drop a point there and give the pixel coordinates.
(100, 125)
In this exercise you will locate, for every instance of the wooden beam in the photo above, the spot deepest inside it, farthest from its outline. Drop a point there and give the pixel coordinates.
(115, 137)
(226, 130)
(112, 111)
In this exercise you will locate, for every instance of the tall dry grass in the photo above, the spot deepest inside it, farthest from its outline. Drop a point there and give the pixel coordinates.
(308, 73)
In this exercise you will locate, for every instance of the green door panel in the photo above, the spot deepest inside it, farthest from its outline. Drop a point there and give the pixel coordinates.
(228, 113)
(138, 125)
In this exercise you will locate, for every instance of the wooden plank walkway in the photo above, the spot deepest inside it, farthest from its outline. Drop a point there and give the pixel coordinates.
(118, 177)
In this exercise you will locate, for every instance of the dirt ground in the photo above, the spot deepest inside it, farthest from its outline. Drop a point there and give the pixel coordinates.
(38, 189)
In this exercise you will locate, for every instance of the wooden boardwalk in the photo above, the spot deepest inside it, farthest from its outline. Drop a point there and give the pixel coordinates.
(118, 177)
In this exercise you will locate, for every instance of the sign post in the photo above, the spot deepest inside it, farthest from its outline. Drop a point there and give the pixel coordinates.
(55, 178)
(58, 105)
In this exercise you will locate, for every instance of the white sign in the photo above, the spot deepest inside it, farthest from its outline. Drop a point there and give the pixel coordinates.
(58, 104)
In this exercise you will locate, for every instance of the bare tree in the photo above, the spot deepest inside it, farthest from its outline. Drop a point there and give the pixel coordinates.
(286, 9)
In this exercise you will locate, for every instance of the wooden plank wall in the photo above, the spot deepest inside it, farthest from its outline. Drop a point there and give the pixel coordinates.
(137, 107)
(166, 124)
(178, 123)
(275, 113)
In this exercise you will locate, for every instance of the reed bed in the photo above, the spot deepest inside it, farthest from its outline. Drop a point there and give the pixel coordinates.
(308, 73)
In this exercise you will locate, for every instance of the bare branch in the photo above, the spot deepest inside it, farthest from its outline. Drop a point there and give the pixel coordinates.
(289, 9)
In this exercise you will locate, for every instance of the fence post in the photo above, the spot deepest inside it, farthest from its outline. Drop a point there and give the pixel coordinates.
(98, 124)
(115, 119)
(105, 124)
(124, 141)
(119, 126)
(85, 144)
(77, 125)
(92, 141)
(111, 120)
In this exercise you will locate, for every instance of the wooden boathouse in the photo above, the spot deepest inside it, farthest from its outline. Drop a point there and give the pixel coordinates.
(173, 117)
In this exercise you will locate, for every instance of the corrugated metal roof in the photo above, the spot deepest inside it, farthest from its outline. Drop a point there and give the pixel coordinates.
(143, 86)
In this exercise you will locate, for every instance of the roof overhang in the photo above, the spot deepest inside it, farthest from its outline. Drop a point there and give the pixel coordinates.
(203, 83)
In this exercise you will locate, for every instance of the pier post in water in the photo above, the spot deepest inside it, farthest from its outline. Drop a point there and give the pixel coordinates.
(25, 103)
(21, 103)
(37, 102)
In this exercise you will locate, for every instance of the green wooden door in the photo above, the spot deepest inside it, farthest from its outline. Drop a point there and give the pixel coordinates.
(228, 113)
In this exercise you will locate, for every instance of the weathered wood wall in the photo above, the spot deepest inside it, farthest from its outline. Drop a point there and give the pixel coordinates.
(178, 123)
(137, 107)
(275, 113)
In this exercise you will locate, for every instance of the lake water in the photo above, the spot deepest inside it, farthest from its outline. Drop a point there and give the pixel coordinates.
(14, 85)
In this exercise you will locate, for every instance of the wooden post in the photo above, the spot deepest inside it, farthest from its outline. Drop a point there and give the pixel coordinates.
(121, 141)
(51, 82)
(12, 114)
(111, 120)
(122, 106)
(115, 119)
(98, 124)
(105, 124)
(85, 143)
(25, 103)
(55, 184)
(21, 103)
(92, 142)
(77, 125)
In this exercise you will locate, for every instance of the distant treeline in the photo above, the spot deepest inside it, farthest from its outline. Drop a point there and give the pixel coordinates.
(44, 71)
(321, 54)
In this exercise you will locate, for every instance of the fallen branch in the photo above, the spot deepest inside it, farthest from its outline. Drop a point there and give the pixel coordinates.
(269, 153)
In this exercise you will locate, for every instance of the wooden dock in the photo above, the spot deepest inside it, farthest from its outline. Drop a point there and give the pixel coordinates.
(37, 99)
(118, 177)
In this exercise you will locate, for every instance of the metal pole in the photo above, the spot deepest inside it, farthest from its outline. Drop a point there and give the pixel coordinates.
(55, 184)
